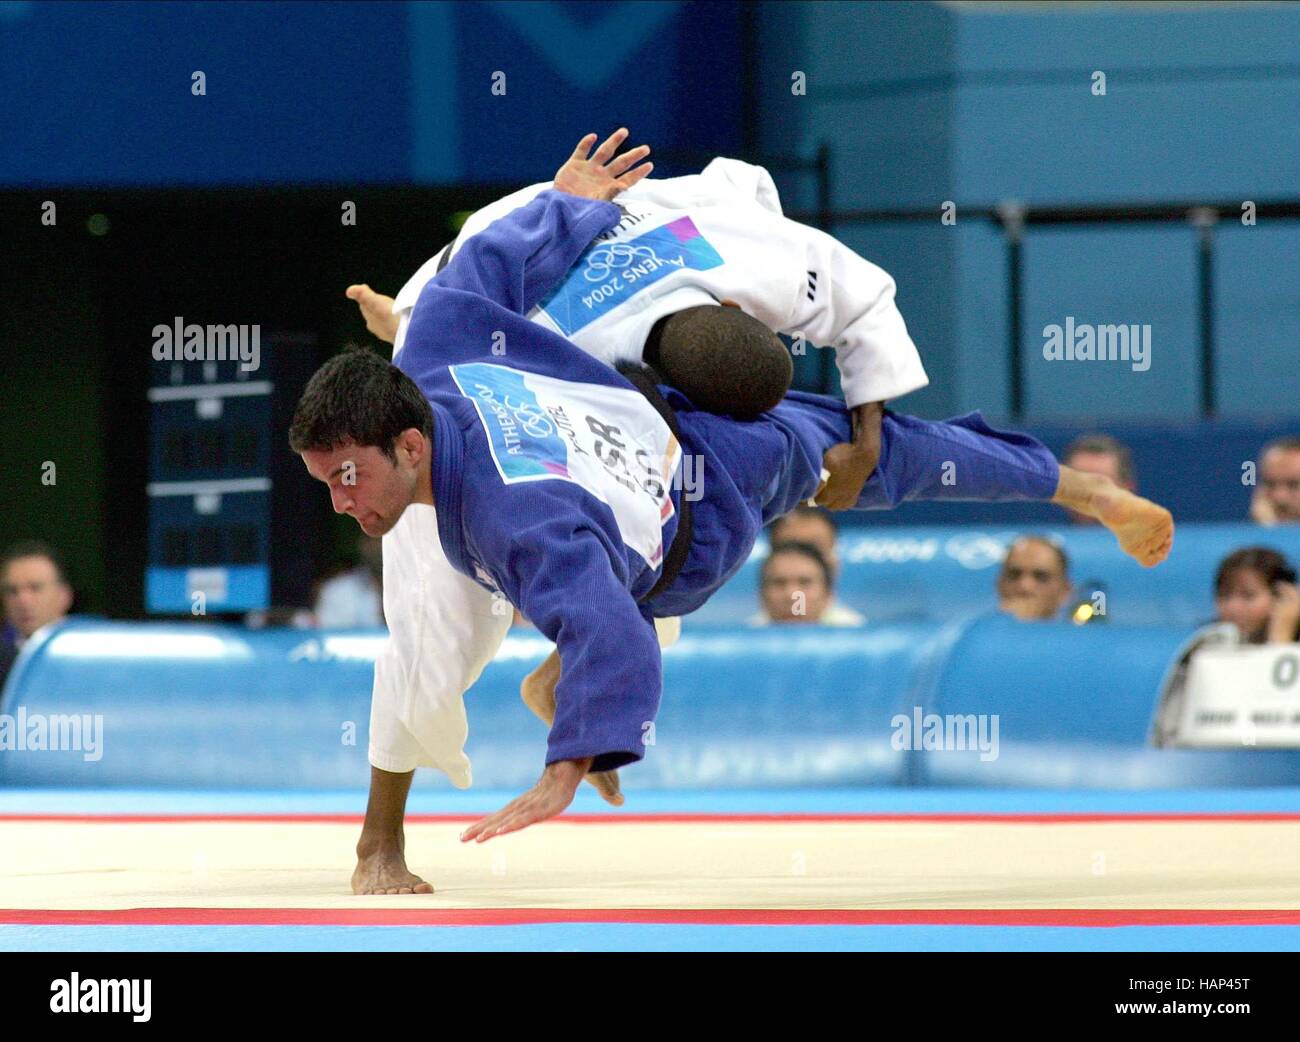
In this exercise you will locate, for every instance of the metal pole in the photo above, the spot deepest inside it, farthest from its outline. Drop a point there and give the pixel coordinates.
(1012, 216)
(1204, 219)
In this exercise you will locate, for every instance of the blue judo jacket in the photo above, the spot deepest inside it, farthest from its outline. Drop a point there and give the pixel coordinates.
(553, 477)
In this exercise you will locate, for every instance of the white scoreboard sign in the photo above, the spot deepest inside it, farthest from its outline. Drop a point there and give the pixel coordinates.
(1235, 696)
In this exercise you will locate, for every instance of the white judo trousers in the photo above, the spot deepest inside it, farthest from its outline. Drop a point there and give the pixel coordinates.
(443, 627)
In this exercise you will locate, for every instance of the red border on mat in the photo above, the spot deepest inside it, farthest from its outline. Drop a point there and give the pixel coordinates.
(668, 819)
(379, 916)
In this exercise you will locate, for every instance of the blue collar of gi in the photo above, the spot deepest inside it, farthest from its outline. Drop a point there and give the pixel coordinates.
(448, 476)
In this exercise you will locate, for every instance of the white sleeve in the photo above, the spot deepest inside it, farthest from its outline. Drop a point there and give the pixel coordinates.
(722, 181)
(848, 304)
(443, 630)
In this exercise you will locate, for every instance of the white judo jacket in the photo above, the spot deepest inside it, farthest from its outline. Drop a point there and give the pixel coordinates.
(792, 278)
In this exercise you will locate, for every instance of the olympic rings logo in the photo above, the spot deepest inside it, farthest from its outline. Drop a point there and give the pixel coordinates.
(534, 422)
(605, 259)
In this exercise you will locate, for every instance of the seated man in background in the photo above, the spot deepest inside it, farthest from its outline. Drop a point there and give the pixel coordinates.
(1034, 584)
(795, 586)
(1255, 589)
(36, 593)
(35, 588)
(1277, 498)
(815, 527)
(1100, 454)
(354, 599)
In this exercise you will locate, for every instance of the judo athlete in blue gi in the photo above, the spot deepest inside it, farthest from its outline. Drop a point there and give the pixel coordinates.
(555, 483)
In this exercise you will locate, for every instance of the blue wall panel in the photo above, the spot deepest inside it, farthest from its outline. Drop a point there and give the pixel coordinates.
(372, 92)
(1132, 275)
(100, 93)
(1257, 318)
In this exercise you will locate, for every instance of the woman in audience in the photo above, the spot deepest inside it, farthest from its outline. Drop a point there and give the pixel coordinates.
(1255, 589)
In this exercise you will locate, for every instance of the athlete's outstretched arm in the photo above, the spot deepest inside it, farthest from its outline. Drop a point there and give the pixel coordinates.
(565, 581)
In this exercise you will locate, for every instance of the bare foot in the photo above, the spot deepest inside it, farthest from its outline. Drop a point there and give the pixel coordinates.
(385, 872)
(606, 783)
(376, 309)
(1145, 530)
(538, 692)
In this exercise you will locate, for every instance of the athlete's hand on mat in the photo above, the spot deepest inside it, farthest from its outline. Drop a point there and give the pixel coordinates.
(602, 176)
(377, 310)
(851, 463)
(545, 800)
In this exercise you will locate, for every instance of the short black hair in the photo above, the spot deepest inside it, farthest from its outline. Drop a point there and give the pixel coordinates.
(802, 510)
(722, 359)
(360, 398)
(1105, 445)
(1061, 556)
(35, 548)
(1271, 566)
(803, 550)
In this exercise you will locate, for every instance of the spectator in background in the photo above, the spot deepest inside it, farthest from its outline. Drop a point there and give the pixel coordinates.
(1034, 584)
(36, 593)
(1255, 589)
(813, 526)
(1100, 454)
(355, 599)
(1277, 498)
(795, 585)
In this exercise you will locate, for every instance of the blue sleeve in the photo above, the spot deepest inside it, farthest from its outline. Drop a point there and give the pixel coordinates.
(516, 260)
(568, 587)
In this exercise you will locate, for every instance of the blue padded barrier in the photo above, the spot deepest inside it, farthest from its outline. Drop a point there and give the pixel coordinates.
(198, 705)
(207, 706)
(1074, 707)
(949, 572)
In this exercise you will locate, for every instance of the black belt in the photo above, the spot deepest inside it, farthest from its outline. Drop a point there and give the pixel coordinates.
(643, 379)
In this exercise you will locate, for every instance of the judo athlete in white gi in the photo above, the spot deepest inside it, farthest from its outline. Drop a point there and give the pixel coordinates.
(553, 479)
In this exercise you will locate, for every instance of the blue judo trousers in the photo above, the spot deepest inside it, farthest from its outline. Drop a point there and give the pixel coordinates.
(516, 405)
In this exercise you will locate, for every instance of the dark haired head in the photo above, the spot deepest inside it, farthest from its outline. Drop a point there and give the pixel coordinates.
(1104, 445)
(722, 359)
(34, 548)
(1270, 565)
(1062, 558)
(803, 550)
(803, 512)
(1246, 591)
(360, 398)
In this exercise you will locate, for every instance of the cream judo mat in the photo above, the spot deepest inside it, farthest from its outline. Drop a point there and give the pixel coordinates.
(608, 864)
